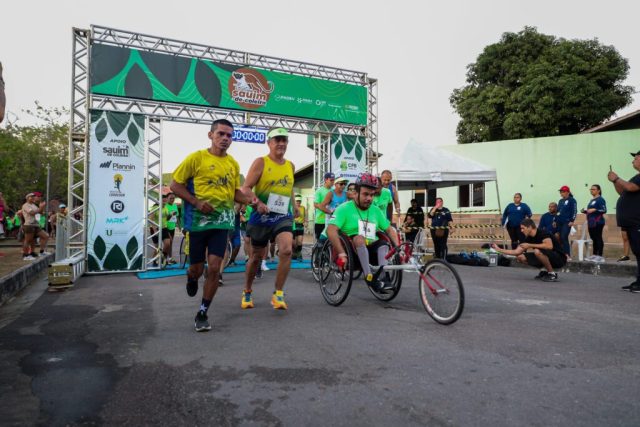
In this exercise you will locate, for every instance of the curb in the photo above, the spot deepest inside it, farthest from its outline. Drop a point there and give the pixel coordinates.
(585, 267)
(19, 279)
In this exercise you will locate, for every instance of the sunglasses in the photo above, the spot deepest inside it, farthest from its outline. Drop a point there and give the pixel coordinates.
(340, 183)
(281, 139)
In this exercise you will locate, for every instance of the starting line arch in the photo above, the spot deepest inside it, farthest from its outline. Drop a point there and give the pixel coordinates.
(104, 66)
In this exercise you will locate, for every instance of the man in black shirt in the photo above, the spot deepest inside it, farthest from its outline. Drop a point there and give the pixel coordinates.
(416, 213)
(628, 213)
(546, 251)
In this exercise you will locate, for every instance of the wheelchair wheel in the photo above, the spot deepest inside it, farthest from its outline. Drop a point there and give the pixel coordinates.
(441, 291)
(335, 283)
(315, 260)
(227, 255)
(184, 250)
(396, 281)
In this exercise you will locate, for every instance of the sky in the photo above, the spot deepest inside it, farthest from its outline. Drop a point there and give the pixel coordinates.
(418, 51)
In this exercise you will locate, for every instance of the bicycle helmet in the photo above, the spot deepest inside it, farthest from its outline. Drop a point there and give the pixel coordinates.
(367, 180)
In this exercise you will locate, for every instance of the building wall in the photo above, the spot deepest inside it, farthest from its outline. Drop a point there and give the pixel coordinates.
(538, 167)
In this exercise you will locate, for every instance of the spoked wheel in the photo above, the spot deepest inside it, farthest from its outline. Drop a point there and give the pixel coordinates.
(335, 283)
(184, 251)
(441, 291)
(396, 281)
(315, 260)
(227, 255)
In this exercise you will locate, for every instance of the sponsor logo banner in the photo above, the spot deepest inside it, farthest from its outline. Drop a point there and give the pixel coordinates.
(116, 215)
(120, 71)
(348, 156)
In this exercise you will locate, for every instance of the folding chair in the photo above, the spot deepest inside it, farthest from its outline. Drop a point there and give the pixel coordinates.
(584, 243)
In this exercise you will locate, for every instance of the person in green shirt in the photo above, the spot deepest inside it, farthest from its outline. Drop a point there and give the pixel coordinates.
(382, 198)
(318, 198)
(360, 220)
(172, 214)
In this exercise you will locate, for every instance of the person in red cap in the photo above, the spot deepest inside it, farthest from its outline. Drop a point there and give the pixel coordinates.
(567, 211)
(628, 213)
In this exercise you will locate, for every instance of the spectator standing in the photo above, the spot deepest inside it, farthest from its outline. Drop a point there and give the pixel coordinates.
(318, 198)
(383, 198)
(32, 229)
(299, 222)
(387, 182)
(595, 211)
(3, 211)
(549, 220)
(416, 213)
(512, 216)
(625, 247)
(567, 211)
(628, 213)
(440, 219)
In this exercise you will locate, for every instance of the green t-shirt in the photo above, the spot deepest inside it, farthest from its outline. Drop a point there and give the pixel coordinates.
(383, 200)
(172, 216)
(348, 218)
(319, 198)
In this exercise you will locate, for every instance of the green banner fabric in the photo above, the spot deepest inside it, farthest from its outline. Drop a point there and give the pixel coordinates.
(119, 71)
(348, 158)
(116, 214)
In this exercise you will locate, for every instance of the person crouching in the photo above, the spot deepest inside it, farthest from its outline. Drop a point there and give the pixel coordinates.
(539, 249)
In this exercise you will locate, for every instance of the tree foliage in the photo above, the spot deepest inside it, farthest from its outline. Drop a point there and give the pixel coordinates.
(531, 84)
(25, 152)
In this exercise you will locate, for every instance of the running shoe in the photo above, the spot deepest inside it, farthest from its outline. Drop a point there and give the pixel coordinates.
(247, 301)
(45, 253)
(541, 275)
(220, 282)
(550, 277)
(202, 322)
(192, 287)
(628, 287)
(277, 301)
(171, 261)
(623, 258)
(264, 266)
(635, 288)
(259, 273)
(28, 258)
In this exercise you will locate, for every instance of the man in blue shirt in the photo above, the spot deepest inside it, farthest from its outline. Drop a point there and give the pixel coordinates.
(549, 220)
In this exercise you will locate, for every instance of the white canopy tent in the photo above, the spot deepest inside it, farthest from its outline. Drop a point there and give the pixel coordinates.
(419, 167)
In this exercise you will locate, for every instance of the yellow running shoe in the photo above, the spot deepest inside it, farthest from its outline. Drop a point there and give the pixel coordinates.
(247, 301)
(277, 301)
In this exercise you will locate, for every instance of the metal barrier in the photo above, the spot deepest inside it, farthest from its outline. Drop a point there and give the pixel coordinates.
(63, 273)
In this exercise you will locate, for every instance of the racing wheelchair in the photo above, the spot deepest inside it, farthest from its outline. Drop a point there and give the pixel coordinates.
(440, 287)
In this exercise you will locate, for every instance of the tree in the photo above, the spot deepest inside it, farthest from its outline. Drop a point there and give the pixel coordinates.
(531, 84)
(25, 152)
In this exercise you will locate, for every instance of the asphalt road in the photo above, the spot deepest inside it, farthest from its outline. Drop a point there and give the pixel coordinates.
(115, 350)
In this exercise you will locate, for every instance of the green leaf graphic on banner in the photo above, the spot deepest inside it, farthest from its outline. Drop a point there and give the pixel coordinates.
(132, 247)
(337, 150)
(171, 71)
(208, 83)
(93, 263)
(99, 247)
(101, 130)
(133, 133)
(139, 119)
(107, 62)
(115, 259)
(117, 121)
(359, 151)
(136, 264)
(95, 115)
(137, 84)
(348, 143)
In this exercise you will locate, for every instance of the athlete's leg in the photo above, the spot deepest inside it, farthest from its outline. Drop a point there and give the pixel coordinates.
(284, 240)
(544, 259)
(363, 254)
(257, 254)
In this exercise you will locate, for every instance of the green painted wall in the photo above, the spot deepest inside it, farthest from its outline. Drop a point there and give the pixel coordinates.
(538, 167)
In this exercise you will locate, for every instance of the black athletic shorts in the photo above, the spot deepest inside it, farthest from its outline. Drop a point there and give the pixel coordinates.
(260, 236)
(165, 235)
(213, 240)
(318, 229)
(299, 231)
(556, 259)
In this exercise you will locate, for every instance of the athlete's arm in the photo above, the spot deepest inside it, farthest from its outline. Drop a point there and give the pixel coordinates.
(252, 178)
(332, 234)
(324, 206)
(392, 235)
(516, 251)
(546, 244)
(181, 191)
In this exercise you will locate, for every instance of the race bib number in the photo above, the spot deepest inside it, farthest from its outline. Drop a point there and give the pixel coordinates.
(38, 216)
(367, 229)
(174, 218)
(278, 204)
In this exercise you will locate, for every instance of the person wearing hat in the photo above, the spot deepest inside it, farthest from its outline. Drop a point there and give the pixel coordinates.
(270, 184)
(628, 213)
(318, 198)
(32, 229)
(208, 182)
(299, 222)
(567, 211)
(335, 197)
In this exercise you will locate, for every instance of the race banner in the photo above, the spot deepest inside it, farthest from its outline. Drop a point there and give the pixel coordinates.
(348, 157)
(131, 73)
(116, 214)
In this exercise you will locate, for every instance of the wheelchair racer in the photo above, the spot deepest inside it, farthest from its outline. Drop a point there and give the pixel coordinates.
(359, 220)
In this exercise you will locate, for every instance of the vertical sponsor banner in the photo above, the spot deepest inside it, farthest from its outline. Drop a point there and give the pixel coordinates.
(116, 214)
(348, 156)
